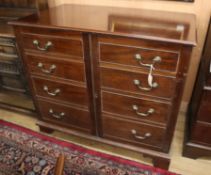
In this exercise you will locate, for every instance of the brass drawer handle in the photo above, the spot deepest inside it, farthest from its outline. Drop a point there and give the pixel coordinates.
(51, 68)
(57, 116)
(151, 85)
(146, 135)
(56, 91)
(207, 88)
(149, 111)
(45, 48)
(156, 59)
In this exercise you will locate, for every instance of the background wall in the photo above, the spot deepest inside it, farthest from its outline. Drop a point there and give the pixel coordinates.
(201, 8)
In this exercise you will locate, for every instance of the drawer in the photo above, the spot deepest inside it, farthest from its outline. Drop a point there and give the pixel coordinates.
(62, 91)
(201, 133)
(137, 57)
(137, 83)
(140, 109)
(71, 117)
(7, 41)
(39, 65)
(135, 133)
(8, 50)
(13, 83)
(9, 66)
(49, 44)
(204, 111)
(208, 79)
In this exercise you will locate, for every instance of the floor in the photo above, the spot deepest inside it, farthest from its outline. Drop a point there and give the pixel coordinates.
(14, 98)
(178, 164)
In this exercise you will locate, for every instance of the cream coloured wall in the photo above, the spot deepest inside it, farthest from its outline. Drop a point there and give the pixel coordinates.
(201, 8)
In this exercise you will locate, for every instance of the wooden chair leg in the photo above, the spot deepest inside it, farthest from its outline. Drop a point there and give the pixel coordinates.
(59, 165)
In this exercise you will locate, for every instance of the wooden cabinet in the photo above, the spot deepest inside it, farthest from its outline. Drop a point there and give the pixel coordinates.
(117, 79)
(198, 126)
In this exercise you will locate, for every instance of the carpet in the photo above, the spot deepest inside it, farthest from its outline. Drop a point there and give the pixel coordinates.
(26, 152)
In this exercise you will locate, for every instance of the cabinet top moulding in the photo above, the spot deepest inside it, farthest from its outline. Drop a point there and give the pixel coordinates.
(138, 23)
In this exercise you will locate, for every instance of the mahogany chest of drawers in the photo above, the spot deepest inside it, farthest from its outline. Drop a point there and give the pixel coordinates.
(198, 125)
(116, 78)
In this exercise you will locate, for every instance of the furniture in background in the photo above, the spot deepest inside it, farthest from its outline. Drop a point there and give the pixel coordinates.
(116, 77)
(197, 141)
(14, 92)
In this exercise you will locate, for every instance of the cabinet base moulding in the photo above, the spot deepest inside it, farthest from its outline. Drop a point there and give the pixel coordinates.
(194, 151)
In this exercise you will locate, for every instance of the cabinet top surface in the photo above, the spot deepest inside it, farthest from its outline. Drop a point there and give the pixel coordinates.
(148, 24)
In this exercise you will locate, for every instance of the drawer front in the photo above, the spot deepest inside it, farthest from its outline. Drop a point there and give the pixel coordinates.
(208, 79)
(201, 133)
(132, 132)
(5, 49)
(9, 66)
(39, 65)
(7, 41)
(135, 108)
(12, 82)
(68, 116)
(137, 56)
(53, 45)
(204, 112)
(61, 91)
(127, 81)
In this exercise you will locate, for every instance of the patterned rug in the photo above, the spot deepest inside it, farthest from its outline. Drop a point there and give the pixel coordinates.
(26, 152)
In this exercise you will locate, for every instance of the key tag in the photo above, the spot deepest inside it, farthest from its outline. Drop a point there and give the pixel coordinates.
(150, 77)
